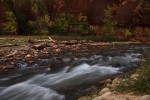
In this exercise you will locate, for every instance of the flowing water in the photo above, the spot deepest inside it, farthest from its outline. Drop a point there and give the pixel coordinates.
(32, 82)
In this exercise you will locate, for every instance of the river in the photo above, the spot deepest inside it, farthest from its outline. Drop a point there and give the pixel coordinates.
(72, 78)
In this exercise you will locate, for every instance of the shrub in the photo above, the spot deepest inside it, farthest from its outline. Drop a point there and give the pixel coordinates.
(108, 22)
(68, 23)
(62, 23)
(83, 28)
(10, 26)
(127, 33)
(143, 82)
(32, 26)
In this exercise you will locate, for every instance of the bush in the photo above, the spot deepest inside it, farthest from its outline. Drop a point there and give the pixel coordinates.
(62, 23)
(10, 26)
(143, 82)
(83, 28)
(108, 22)
(33, 26)
(41, 26)
(127, 33)
(68, 23)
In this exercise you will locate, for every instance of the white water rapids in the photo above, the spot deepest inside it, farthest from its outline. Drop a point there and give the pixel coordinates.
(47, 85)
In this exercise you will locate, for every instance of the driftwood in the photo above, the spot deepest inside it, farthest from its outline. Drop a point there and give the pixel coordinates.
(8, 45)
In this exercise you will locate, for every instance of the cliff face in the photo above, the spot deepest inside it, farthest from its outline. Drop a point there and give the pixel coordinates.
(125, 11)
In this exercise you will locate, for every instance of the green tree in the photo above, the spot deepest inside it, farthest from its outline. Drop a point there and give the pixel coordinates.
(42, 20)
(20, 19)
(83, 27)
(108, 22)
(10, 26)
(62, 23)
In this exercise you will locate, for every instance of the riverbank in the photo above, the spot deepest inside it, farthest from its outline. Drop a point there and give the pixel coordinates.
(16, 50)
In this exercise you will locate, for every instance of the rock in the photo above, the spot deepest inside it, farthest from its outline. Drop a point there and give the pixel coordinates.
(72, 42)
(28, 56)
(12, 54)
(116, 81)
(98, 98)
(146, 97)
(93, 88)
(40, 46)
(31, 41)
(12, 63)
(115, 92)
(58, 50)
(131, 93)
(54, 46)
(83, 98)
(134, 76)
(104, 90)
(106, 81)
(35, 55)
(30, 62)
(94, 96)
(8, 68)
(48, 69)
(105, 95)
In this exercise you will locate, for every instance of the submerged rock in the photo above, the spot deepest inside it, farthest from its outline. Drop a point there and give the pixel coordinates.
(40, 46)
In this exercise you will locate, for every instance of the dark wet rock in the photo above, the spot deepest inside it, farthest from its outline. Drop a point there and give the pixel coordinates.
(117, 65)
(40, 46)
(6, 68)
(31, 41)
(72, 42)
(22, 65)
